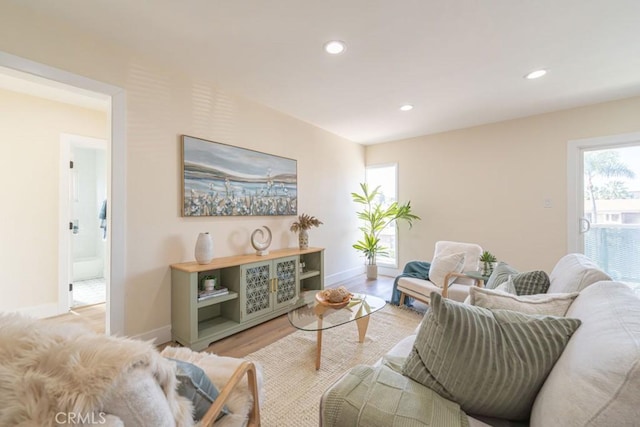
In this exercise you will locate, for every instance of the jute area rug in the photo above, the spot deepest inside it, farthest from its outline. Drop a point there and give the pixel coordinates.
(292, 385)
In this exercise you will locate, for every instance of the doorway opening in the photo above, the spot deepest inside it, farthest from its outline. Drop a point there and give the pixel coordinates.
(116, 179)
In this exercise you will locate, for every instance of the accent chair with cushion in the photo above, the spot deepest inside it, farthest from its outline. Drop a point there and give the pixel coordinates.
(450, 259)
(57, 373)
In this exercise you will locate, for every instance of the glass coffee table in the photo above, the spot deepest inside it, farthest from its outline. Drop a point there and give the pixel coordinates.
(316, 316)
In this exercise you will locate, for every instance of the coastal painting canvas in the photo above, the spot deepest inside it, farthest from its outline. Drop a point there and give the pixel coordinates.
(223, 180)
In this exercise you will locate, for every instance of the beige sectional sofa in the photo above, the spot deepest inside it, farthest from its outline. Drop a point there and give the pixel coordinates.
(595, 382)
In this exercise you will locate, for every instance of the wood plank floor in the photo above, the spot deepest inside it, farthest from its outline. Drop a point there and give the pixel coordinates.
(259, 336)
(252, 339)
(92, 316)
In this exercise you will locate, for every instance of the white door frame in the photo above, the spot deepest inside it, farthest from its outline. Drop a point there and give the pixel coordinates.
(116, 178)
(65, 258)
(575, 176)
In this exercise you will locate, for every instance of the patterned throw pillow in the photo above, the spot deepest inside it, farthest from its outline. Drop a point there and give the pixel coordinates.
(443, 265)
(531, 282)
(500, 275)
(544, 304)
(194, 384)
(512, 354)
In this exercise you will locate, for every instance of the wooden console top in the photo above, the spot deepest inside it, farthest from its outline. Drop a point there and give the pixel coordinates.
(216, 263)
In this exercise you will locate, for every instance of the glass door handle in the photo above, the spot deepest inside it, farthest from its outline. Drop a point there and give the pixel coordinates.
(585, 225)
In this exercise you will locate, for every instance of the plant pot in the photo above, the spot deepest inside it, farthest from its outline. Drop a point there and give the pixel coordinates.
(372, 271)
(487, 268)
(209, 284)
(303, 239)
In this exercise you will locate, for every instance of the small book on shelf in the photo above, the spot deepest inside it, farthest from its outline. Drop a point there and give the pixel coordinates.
(202, 295)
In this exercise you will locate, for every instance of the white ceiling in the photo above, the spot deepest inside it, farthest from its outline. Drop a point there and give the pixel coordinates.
(460, 62)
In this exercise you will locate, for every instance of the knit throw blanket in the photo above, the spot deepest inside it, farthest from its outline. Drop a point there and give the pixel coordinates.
(60, 374)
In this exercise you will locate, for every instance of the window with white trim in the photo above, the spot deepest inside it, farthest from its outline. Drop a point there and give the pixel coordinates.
(386, 177)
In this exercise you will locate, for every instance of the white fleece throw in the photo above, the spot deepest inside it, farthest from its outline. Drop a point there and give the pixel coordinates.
(62, 374)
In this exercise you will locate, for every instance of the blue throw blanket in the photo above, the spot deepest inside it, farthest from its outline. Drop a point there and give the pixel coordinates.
(416, 269)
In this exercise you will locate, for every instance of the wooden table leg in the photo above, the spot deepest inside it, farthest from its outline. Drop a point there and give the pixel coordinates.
(318, 347)
(319, 310)
(362, 323)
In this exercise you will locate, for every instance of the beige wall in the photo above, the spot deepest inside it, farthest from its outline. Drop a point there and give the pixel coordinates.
(487, 184)
(30, 131)
(161, 105)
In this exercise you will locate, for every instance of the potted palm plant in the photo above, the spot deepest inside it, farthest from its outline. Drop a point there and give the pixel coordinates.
(304, 223)
(375, 219)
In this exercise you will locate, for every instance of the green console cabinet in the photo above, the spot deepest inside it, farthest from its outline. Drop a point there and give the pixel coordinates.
(260, 288)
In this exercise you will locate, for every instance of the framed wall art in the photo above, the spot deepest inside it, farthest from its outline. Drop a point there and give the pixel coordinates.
(223, 180)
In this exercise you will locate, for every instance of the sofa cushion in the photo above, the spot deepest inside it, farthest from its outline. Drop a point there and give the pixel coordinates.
(507, 287)
(500, 275)
(600, 367)
(380, 397)
(546, 304)
(531, 282)
(512, 354)
(441, 265)
(573, 273)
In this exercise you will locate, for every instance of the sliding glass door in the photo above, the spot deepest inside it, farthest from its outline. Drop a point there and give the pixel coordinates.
(607, 195)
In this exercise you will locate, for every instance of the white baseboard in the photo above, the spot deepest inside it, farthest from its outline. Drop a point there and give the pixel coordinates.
(158, 336)
(163, 334)
(388, 271)
(40, 311)
(343, 275)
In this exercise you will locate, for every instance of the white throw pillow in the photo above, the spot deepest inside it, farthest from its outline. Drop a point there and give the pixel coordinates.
(544, 304)
(443, 265)
(507, 287)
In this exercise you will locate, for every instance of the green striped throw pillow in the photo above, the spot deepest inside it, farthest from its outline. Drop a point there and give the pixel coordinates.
(491, 363)
(500, 275)
(531, 282)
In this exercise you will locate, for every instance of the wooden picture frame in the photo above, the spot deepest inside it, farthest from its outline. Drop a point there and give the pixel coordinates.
(223, 180)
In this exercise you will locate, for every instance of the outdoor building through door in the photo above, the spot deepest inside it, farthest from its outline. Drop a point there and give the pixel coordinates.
(609, 224)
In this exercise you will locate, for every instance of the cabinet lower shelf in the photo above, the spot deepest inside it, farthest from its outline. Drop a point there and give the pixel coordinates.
(309, 273)
(216, 325)
(217, 300)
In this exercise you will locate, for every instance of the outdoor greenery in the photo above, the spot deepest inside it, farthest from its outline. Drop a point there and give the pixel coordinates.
(376, 217)
(605, 164)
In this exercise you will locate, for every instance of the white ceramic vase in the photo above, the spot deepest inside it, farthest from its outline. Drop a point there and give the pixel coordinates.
(204, 248)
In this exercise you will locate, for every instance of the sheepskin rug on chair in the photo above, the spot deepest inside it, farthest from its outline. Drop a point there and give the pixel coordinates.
(51, 372)
(56, 373)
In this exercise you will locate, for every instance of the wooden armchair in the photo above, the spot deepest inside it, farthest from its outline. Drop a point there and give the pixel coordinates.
(238, 381)
(248, 368)
(457, 289)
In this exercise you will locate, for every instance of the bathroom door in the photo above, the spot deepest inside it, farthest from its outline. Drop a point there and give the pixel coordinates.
(83, 242)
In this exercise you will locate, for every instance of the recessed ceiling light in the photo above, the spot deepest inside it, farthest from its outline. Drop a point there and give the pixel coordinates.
(406, 107)
(334, 47)
(535, 74)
